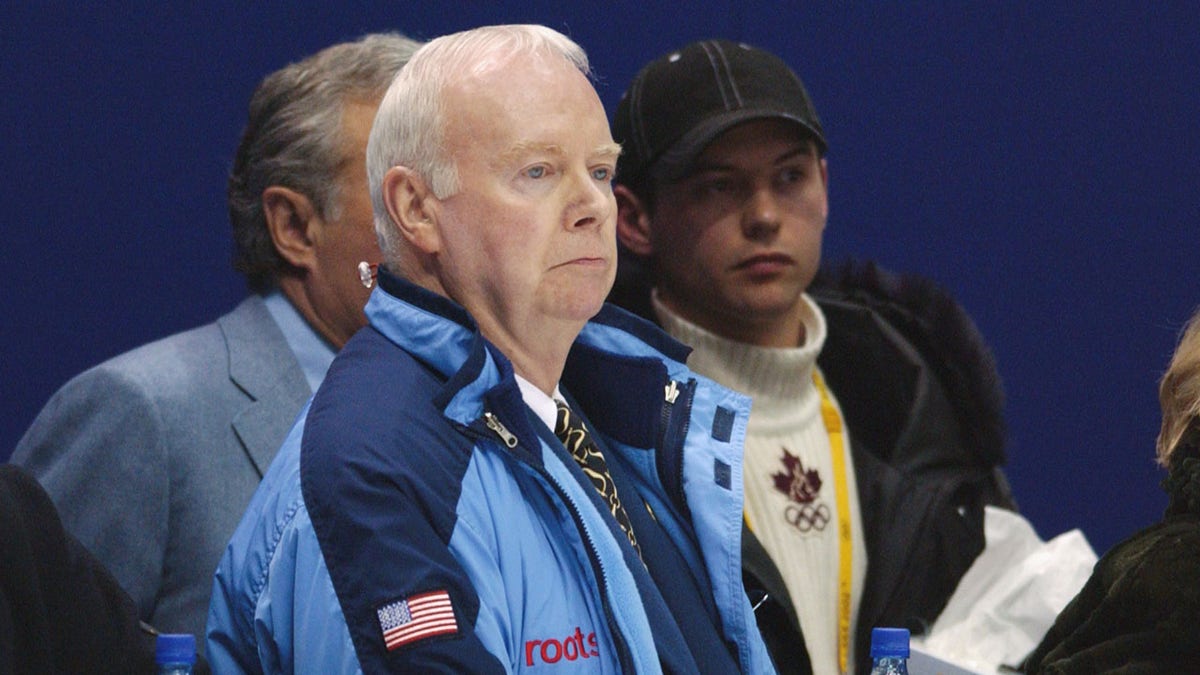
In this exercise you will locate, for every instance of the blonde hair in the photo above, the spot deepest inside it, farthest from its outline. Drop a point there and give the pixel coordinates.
(1179, 391)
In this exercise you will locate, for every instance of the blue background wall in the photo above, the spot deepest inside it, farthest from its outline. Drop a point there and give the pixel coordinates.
(1038, 159)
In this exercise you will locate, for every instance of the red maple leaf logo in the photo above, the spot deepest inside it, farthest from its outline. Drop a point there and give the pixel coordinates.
(799, 485)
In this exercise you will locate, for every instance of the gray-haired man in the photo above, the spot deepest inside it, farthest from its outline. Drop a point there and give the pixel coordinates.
(152, 456)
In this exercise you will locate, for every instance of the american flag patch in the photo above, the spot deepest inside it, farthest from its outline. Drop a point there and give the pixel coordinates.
(416, 618)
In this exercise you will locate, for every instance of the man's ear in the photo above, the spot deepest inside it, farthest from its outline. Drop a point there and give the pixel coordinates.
(633, 222)
(825, 182)
(291, 219)
(412, 207)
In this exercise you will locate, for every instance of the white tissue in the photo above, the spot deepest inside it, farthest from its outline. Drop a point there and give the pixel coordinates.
(1009, 597)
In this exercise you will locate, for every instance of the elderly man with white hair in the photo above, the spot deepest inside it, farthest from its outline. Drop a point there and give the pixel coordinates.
(499, 474)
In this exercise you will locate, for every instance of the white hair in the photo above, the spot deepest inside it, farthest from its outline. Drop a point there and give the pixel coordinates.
(409, 128)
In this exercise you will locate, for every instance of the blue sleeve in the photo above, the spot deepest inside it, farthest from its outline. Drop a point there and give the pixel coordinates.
(406, 559)
(274, 609)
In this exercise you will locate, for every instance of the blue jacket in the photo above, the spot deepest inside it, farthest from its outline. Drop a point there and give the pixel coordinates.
(419, 505)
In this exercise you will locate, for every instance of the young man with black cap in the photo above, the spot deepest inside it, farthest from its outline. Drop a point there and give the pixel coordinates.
(876, 432)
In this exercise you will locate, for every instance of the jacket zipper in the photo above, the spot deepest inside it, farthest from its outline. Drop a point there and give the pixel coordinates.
(510, 440)
(671, 396)
(670, 393)
(502, 431)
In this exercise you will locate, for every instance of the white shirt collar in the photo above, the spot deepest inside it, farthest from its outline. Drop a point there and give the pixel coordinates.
(542, 405)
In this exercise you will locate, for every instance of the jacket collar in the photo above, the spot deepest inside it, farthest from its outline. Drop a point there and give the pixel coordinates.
(616, 355)
(440, 333)
(262, 365)
(1182, 483)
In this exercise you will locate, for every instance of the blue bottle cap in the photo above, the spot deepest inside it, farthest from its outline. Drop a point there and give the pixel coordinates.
(175, 648)
(889, 643)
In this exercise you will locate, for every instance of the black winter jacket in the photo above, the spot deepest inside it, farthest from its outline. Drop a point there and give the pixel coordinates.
(924, 406)
(1138, 611)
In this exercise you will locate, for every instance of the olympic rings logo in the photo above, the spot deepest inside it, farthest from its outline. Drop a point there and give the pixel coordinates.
(807, 517)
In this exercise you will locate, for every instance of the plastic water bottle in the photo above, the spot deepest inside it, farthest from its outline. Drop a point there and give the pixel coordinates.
(889, 651)
(175, 654)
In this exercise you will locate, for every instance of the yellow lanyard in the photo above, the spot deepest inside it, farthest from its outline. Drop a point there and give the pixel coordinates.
(837, 445)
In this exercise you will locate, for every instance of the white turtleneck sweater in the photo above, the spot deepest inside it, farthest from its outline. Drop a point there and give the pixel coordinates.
(788, 452)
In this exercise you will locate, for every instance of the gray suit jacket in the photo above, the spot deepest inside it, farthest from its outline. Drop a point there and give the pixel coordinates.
(151, 457)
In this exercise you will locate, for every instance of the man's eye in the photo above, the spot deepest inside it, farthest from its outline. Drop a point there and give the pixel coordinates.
(792, 175)
(602, 174)
(536, 171)
(715, 186)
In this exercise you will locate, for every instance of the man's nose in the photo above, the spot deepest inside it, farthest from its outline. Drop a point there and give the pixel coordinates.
(591, 200)
(761, 215)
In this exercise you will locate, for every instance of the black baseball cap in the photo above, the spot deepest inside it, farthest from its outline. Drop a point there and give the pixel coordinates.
(681, 101)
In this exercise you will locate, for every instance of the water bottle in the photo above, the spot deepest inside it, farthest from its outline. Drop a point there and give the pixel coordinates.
(889, 651)
(175, 654)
